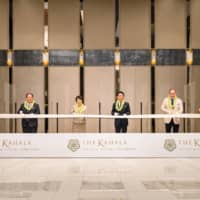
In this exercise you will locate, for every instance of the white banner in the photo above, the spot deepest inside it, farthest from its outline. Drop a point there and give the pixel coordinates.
(99, 145)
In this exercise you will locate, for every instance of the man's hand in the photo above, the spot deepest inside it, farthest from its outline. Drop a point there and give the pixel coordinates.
(170, 112)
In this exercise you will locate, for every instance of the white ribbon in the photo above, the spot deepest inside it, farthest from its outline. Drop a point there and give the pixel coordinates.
(70, 116)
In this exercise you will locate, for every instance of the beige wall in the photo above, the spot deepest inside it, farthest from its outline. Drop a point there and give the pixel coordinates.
(194, 96)
(99, 31)
(4, 76)
(99, 27)
(166, 78)
(135, 33)
(63, 88)
(29, 79)
(135, 82)
(194, 70)
(4, 19)
(4, 97)
(99, 87)
(64, 33)
(28, 24)
(64, 24)
(194, 24)
(170, 24)
(135, 24)
(170, 33)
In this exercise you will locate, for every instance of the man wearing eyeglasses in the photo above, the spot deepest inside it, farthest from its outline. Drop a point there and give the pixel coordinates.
(172, 105)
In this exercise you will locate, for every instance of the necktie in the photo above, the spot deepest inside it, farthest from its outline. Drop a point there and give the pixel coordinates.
(172, 102)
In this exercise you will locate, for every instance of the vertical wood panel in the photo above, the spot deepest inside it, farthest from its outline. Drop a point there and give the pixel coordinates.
(64, 24)
(28, 24)
(99, 27)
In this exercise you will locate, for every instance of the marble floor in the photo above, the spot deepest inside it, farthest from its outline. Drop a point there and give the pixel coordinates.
(99, 179)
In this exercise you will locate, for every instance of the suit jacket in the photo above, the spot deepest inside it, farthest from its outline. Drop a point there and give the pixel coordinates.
(28, 122)
(178, 109)
(124, 111)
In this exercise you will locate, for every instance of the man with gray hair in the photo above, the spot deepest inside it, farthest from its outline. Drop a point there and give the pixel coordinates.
(172, 105)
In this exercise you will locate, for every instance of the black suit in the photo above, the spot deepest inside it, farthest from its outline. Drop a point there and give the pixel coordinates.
(29, 125)
(121, 124)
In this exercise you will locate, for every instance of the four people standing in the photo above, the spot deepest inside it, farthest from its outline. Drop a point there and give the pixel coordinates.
(170, 105)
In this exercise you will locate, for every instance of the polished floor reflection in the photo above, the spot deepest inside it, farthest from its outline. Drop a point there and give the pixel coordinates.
(99, 179)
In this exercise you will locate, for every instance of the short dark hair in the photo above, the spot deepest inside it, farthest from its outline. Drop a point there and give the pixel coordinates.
(120, 92)
(29, 93)
(79, 97)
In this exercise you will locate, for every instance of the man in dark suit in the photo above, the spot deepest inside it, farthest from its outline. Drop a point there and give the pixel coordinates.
(120, 107)
(29, 106)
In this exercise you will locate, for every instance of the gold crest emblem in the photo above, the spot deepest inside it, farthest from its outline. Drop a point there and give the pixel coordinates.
(170, 145)
(73, 145)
